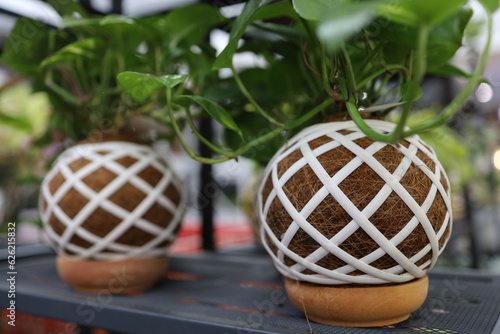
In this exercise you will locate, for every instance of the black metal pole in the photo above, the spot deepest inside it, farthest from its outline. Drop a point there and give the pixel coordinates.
(87, 5)
(206, 194)
(117, 7)
(475, 249)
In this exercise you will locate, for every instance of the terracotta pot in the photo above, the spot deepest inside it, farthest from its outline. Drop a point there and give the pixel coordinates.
(115, 277)
(337, 208)
(357, 306)
(111, 205)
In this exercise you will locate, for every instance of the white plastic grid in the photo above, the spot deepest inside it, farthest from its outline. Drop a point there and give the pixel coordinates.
(406, 269)
(105, 155)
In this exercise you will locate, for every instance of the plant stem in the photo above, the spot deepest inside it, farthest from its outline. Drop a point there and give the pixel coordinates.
(258, 141)
(474, 80)
(351, 79)
(371, 55)
(249, 96)
(419, 74)
(363, 126)
(80, 69)
(157, 59)
(421, 61)
(373, 76)
(232, 154)
(304, 118)
(324, 73)
(313, 88)
(67, 96)
(383, 84)
(204, 140)
(183, 142)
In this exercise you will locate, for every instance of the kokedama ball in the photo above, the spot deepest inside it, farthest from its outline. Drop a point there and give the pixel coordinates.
(339, 208)
(111, 200)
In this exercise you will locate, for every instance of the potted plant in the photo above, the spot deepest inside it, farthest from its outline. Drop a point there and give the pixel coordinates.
(345, 250)
(110, 203)
(354, 210)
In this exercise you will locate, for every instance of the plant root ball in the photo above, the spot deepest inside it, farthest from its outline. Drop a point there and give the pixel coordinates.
(111, 200)
(339, 208)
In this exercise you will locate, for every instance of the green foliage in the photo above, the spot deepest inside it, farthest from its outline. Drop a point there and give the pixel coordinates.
(67, 8)
(215, 111)
(139, 85)
(444, 39)
(28, 44)
(23, 118)
(252, 125)
(78, 64)
(490, 5)
(188, 24)
(416, 12)
(172, 80)
(338, 20)
(406, 90)
(344, 22)
(254, 10)
(86, 48)
(20, 123)
(319, 58)
(142, 85)
(329, 57)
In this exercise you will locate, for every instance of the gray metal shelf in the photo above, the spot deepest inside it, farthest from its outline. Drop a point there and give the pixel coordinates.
(237, 293)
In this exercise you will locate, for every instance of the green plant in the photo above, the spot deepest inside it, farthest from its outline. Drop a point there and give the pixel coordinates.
(23, 117)
(75, 67)
(77, 64)
(325, 59)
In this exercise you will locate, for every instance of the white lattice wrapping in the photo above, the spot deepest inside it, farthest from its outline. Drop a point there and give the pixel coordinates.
(126, 162)
(355, 270)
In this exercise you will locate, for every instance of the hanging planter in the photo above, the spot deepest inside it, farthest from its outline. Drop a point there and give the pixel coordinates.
(111, 210)
(354, 224)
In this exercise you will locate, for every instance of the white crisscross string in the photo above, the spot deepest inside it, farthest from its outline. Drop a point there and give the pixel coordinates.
(406, 269)
(105, 155)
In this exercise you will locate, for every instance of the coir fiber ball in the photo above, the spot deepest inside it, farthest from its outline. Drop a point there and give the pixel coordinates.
(341, 211)
(111, 205)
